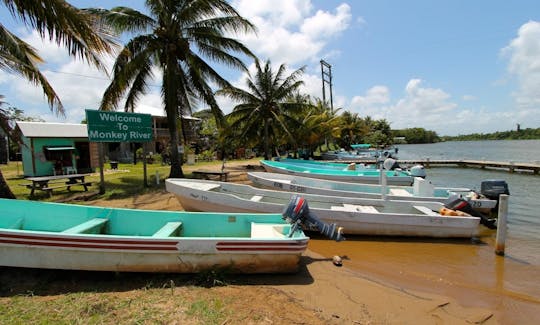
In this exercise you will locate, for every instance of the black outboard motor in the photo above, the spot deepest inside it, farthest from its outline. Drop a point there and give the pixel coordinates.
(390, 164)
(297, 213)
(492, 188)
(463, 205)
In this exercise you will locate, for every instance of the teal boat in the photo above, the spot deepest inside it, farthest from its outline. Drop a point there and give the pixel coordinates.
(326, 164)
(368, 175)
(77, 237)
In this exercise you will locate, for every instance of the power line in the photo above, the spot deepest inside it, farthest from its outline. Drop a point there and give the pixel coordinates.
(90, 77)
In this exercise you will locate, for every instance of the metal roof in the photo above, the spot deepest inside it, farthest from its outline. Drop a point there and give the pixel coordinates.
(52, 130)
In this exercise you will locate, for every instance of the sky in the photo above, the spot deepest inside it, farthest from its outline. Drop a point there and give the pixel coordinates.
(450, 66)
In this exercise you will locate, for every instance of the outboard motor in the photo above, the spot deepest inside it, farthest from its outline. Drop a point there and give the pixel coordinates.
(390, 164)
(463, 205)
(492, 188)
(418, 171)
(297, 213)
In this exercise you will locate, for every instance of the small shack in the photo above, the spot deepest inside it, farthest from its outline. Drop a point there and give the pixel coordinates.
(55, 149)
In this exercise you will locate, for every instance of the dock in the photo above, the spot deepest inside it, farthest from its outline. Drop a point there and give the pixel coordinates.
(483, 164)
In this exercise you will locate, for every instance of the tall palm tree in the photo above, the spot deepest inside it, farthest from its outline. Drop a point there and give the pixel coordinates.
(265, 103)
(174, 37)
(57, 21)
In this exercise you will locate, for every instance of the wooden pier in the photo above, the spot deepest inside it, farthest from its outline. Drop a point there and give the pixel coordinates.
(500, 165)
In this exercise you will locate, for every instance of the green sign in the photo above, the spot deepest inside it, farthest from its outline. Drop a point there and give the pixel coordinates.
(118, 127)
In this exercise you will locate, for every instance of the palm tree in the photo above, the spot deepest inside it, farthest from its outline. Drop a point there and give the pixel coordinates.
(59, 22)
(320, 125)
(174, 37)
(353, 129)
(265, 103)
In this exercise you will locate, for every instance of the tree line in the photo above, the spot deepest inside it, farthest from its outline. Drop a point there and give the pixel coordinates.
(521, 134)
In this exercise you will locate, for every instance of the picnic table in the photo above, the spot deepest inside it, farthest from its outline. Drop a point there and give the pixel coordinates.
(205, 174)
(48, 183)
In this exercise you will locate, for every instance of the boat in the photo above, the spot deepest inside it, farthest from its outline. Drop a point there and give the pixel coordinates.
(421, 190)
(361, 151)
(327, 164)
(356, 216)
(351, 174)
(77, 237)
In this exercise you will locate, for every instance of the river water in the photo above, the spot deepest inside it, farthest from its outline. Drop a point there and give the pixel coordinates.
(466, 270)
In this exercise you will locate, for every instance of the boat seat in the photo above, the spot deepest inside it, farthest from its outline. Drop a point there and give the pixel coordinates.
(92, 226)
(426, 210)
(256, 198)
(169, 229)
(360, 208)
(399, 192)
(268, 230)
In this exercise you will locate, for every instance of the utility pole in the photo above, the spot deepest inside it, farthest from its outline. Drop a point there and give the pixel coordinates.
(326, 76)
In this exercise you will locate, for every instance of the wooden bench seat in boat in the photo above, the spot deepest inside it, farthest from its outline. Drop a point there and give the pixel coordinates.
(92, 226)
(269, 230)
(256, 198)
(399, 192)
(169, 229)
(426, 210)
(355, 208)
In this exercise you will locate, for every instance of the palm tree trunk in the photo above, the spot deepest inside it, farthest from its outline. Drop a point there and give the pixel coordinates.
(266, 145)
(171, 107)
(5, 191)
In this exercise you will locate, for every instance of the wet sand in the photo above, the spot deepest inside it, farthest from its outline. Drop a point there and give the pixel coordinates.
(469, 273)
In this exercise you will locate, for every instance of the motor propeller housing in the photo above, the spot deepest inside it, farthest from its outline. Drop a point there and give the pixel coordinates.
(297, 213)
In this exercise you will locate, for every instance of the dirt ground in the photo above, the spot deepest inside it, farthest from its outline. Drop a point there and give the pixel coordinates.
(322, 293)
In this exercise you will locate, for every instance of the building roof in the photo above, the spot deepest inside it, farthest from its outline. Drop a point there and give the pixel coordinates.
(52, 130)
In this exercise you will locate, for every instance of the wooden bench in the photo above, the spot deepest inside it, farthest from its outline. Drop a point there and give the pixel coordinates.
(205, 174)
(354, 208)
(269, 230)
(426, 210)
(399, 192)
(92, 226)
(67, 185)
(256, 198)
(169, 229)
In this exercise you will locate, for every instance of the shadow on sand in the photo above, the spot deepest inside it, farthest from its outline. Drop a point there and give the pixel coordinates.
(46, 282)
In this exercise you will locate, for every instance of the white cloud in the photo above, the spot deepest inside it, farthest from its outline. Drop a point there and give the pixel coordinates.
(374, 96)
(279, 12)
(524, 53)
(287, 30)
(323, 24)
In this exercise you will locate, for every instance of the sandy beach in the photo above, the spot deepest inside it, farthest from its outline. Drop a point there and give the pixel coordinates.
(340, 295)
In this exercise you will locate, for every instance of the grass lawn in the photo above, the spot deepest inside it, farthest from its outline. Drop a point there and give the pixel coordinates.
(123, 182)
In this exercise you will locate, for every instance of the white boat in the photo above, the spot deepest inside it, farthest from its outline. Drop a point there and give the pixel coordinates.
(356, 216)
(67, 236)
(421, 190)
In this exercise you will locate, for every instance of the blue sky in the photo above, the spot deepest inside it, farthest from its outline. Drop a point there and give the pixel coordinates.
(455, 67)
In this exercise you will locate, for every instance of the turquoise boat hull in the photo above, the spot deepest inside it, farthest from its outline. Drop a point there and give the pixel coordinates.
(368, 175)
(65, 236)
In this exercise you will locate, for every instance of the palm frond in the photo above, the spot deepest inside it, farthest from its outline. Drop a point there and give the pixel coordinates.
(74, 29)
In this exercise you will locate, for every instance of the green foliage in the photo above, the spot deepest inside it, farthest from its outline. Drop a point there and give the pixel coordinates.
(265, 110)
(523, 134)
(417, 135)
(180, 38)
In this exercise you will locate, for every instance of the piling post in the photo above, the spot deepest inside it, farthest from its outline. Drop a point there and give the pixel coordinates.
(501, 225)
(157, 177)
(383, 185)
